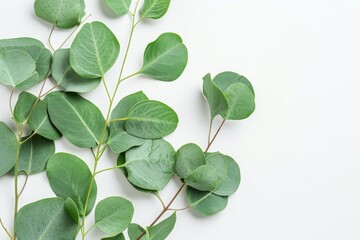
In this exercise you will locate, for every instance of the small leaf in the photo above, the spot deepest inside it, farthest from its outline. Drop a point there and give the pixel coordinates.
(166, 58)
(154, 9)
(226, 79)
(151, 165)
(151, 119)
(61, 13)
(71, 209)
(8, 145)
(120, 141)
(118, 237)
(70, 177)
(65, 76)
(135, 230)
(23, 107)
(119, 7)
(215, 98)
(163, 229)
(94, 50)
(113, 215)
(188, 158)
(46, 219)
(204, 178)
(79, 120)
(205, 203)
(40, 123)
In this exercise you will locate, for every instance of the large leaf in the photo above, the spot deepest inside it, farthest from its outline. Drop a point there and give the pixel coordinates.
(20, 42)
(188, 158)
(163, 229)
(119, 7)
(154, 9)
(203, 178)
(70, 177)
(65, 76)
(8, 145)
(151, 165)
(40, 123)
(46, 219)
(94, 50)
(61, 13)
(79, 120)
(151, 119)
(215, 98)
(205, 203)
(166, 58)
(24, 106)
(113, 215)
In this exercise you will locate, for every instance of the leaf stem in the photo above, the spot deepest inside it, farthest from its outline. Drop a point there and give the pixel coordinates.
(26, 180)
(49, 38)
(216, 134)
(160, 199)
(7, 232)
(10, 102)
(109, 169)
(106, 89)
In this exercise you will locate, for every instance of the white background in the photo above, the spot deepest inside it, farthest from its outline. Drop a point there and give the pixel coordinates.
(298, 153)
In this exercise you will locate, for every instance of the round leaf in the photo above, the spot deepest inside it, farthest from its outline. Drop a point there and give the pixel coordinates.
(154, 9)
(71, 209)
(163, 229)
(119, 7)
(70, 177)
(134, 231)
(61, 13)
(23, 107)
(45, 220)
(225, 79)
(94, 50)
(113, 215)
(204, 178)
(20, 42)
(150, 169)
(166, 58)
(8, 145)
(151, 119)
(65, 76)
(188, 158)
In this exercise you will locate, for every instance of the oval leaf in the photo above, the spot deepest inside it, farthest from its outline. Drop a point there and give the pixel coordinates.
(23, 107)
(61, 13)
(72, 210)
(70, 177)
(188, 158)
(166, 58)
(204, 178)
(119, 7)
(150, 169)
(8, 145)
(154, 9)
(20, 42)
(134, 231)
(79, 120)
(151, 119)
(163, 229)
(94, 50)
(225, 79)
(45, 220)
(113, 215)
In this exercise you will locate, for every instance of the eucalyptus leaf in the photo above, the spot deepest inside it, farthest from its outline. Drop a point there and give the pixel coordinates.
(118, 237)
(205, 203)
(46, 219)
(8, 146)
(121, 141)
(94, 50)
(166, 58)
(151, 165)
(163, 229)
(151, 119)
(135, 230)
(119, 7)
(154, 9)
(188, 158)
(61, 13)
(203, 178)
(79, 120)
(40, 123)
(23, 107)
(70, 177)
(226, 79)
(113, 215)
(72, 210)
(65, 76)
(20, 42)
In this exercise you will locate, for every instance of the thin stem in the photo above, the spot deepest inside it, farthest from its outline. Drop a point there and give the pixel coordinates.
(160, 199)
(3, 226)
(106, 89)
(130, 76)
(118, 120)
(72, 33)
(109, 169)
(28, 138)
(89, 229)
(180, 209)
(10, 101)
(49, 38)
(216, 134)
(210, 128)
(48, 91)
(22, 189)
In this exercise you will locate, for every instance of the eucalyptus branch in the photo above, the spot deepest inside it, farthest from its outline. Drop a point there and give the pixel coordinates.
(7, 232)
(72, 32)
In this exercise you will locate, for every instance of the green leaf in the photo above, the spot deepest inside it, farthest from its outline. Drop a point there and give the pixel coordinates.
(119, 139)
(10, 63)
(166, 58)
(135, 230)
(151, 119)
(154, 9)
(34, 154)
(46, 219)
(94, 50)
(226, 79)
(70, 177)
(61, 13)
(65, 76)
(72, 210)
(8, 145)
(204, 178)
(113, 215)
(40, 123)
(205, 203)
(119, 7)
(79, 120)
(118, 237)
(163, 229)
(188, 158)
(151, 165)
(20, 42)
(215, 98)
(24, 104)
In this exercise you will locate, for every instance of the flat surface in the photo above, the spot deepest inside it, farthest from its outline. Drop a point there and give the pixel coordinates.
(299, 153)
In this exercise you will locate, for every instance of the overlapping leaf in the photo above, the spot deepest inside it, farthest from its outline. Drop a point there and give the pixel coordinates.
(119, 7)
(154, 9)
(8, 145)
